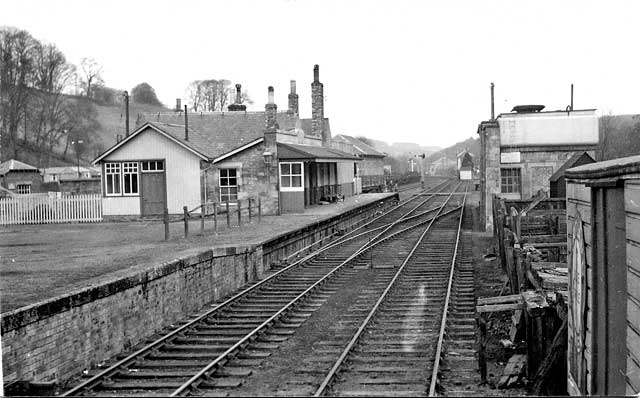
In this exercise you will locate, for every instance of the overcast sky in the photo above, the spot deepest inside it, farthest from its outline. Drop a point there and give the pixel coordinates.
(397, 71)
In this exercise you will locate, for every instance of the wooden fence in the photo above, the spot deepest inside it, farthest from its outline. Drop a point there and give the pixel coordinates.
(50, 209)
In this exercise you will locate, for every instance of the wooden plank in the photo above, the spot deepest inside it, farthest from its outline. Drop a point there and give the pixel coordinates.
(500, 299)
(578, 191)
(551, 244)
(632, 222)
(540, 265)
(535, 239)
(499, 307)
(513, 372)
(535, 302)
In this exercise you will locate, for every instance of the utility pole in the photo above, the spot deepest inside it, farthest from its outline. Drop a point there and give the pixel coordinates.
(126, 106)
(76, 144)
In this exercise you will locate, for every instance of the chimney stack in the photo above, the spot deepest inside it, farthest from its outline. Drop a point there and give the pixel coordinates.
(178, 105)
(317, 108)
(237, 106)
(270, 111)
(293, 99)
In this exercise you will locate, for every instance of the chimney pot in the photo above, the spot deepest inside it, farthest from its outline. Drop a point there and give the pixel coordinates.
(293, 86)
(271, 100)
(316, 73)
(238, 87)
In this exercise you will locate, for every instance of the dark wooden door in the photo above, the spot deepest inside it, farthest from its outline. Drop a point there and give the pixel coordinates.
(154, 194)
(610, 296)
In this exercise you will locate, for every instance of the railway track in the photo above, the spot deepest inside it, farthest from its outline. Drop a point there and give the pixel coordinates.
(214, 349)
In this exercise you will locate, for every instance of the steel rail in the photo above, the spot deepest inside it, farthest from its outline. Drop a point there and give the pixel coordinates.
(142, 352)
(96, 379)
(190, 384)
(340, 361)
(443, 323)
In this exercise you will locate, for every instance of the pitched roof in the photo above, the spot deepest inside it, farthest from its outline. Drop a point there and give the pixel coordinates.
(173, 132)
(15, 165)
(318, 153)
(571, 163)
(361, 148)
(216, 133)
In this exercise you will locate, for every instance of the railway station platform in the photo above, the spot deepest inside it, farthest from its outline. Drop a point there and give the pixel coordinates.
(74, 295)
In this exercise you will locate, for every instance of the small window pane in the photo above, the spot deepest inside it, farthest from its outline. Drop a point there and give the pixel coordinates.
(296, 168)
(296, 181)
(285, 182)
(285, 168)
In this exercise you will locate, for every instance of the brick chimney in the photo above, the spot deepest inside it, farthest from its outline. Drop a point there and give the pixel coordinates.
(270, 112)
(237, 106)
(293, 99)
(317, 107)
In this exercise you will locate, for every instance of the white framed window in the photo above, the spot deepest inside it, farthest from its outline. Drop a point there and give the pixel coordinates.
(228, 185)
(130, 178)
(152, 166)
(112, 179)
(23, 189)
(510, 180)
(291, 177)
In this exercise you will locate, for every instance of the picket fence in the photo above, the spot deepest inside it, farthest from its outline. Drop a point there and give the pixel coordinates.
(50, 209)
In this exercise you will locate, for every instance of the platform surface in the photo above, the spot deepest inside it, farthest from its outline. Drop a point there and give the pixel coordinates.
(38, 262)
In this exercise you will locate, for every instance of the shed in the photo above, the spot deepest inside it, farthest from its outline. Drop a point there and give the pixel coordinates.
(603, 242)
(465, 165)
(557, 181)
(20, 178)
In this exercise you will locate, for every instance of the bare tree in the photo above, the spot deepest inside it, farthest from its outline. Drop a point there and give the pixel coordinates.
(91, 75)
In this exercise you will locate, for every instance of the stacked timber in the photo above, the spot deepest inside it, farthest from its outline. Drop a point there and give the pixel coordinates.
(532, 246)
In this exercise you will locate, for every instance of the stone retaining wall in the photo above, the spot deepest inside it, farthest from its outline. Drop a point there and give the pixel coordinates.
(56, 339)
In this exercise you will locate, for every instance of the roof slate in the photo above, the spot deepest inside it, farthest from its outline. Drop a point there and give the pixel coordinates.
(361, 147)
(216, 133)
(569, 164)
(295, 151)
(15, 165)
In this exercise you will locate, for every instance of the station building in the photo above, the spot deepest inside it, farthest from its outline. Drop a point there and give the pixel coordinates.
(179, 159)
(521, 151)
(369, 173)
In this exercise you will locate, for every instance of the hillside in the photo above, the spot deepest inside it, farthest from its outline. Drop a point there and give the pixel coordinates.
(112, 120)
(402, 148)
(471, 144)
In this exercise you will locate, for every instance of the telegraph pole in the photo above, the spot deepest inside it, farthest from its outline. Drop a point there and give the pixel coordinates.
(126, 107)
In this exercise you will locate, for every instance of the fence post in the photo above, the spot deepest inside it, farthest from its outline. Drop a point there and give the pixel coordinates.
(202, 219)
(259, 209)
(239, 214)
(186, 221)
(249, 210)
(166, 223)
(215, 218)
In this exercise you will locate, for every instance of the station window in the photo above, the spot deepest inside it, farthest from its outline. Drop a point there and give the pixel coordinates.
(150, 166)
(112, 178)
(228, 185)
(291, 176)
(130, 178)
(23, 189)
(510, 180)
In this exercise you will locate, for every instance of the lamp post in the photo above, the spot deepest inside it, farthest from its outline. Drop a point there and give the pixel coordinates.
(76, 143)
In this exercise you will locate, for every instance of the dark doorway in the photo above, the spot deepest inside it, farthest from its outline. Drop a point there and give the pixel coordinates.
(153, 194)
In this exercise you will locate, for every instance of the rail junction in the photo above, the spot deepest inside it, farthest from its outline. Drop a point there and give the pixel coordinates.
(405, 286)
